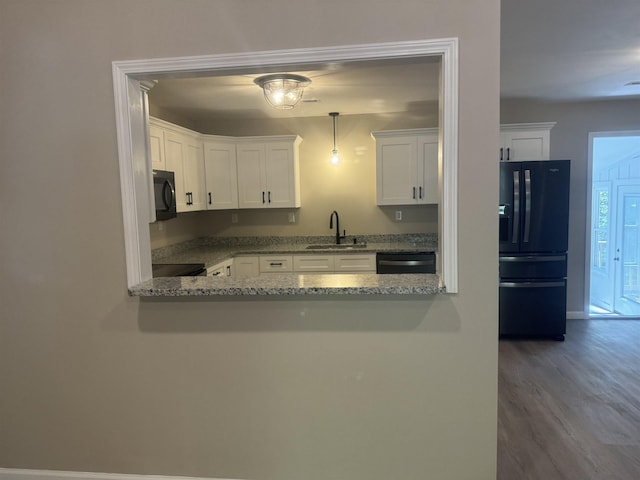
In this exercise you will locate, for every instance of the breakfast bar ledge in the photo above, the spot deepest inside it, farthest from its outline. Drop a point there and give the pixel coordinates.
(291, 284)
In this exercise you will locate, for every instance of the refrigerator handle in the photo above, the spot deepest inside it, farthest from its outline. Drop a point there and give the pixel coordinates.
(516, 205)
(527, 204)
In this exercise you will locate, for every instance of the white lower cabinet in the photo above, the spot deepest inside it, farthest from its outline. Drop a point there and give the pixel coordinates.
(276, 263)
(246, 267)
(355, 263)
(222, 269)
(253, 265)
(313, 263)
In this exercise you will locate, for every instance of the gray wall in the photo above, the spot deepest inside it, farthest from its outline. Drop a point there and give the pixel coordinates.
(570, 139)
(265, 388)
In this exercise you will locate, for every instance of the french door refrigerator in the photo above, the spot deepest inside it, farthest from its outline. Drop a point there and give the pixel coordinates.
(534, 231)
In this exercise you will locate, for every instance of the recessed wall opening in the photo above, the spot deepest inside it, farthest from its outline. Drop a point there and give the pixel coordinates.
(130, 79)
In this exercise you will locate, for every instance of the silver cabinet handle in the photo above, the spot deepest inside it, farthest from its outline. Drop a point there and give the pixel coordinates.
(516, 205)
(544, 258)
(531, 284)
(410, 263)
(527, 204)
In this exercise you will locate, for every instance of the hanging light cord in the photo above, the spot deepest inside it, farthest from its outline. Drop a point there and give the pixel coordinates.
(334, 115)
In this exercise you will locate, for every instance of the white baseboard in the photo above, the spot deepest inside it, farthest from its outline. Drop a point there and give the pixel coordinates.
(21, 474)
(576, 315)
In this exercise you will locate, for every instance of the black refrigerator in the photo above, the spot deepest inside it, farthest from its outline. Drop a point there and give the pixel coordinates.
(534, 231)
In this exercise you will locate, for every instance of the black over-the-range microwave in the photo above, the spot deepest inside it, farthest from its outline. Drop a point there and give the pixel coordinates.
(164, 193)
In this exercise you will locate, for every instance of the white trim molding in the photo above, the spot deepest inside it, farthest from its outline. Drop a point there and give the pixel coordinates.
(23, 474)
(131, 122)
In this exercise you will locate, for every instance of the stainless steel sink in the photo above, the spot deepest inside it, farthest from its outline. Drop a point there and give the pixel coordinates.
(333, 246)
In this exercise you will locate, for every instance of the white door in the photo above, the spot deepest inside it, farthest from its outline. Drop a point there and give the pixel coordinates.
(612, 268)
(627, 252)
(602, 253)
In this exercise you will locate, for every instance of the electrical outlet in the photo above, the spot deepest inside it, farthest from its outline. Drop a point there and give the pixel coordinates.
(292, 217)
(234, 218)
(398, 215)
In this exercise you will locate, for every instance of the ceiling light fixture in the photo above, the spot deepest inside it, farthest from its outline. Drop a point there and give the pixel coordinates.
(335, 159)
(282, 90)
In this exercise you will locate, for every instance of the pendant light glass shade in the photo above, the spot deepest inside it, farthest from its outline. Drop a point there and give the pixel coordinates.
(282, 91)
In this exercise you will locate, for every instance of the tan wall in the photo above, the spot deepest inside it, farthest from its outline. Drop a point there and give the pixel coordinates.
(265, 388)
(349, 188)
(570, 139)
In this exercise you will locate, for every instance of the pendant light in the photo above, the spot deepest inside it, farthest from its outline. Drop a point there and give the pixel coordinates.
(282, 90)
(335, 159)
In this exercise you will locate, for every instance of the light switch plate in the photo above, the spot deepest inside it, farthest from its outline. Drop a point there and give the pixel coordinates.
(398, 215)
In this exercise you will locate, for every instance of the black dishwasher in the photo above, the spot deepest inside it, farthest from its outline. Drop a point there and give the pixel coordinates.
(405, 262)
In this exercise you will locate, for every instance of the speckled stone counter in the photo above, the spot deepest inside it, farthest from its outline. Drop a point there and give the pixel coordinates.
(291, 284)
(212, 251)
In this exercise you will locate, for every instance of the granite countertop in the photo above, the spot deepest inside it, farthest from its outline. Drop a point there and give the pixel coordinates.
(212, 251)
(291, 284)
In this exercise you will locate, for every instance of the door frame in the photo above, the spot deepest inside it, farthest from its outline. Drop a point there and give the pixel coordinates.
(588, 224)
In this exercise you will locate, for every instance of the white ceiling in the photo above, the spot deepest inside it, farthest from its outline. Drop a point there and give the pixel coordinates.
(551, 50)
(362, 87)
(570, 49)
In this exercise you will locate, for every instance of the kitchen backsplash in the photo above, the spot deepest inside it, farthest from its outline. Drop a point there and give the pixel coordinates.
(429, 240)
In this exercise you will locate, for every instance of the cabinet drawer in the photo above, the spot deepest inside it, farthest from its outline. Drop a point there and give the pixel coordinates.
(276, 263)
(313, 263)
(355, 263)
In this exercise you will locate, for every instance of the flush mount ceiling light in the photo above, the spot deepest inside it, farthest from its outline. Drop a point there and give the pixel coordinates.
(282, 90)
(335, 159)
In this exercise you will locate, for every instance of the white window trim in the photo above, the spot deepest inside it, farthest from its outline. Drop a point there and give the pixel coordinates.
(135, 169)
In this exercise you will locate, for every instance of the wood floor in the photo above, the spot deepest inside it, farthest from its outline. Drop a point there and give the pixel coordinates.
(571, 410)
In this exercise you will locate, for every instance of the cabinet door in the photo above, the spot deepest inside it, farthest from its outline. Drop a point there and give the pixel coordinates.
(276, 263)
(156, 148)
(246, 267)
(396, 171)
(280, 172)
(251, 183)
(175, 152)
(520, 145)
(194, 174)
(221, 270)
(221, 177)
(428, 169)
(355, 263)
(313, 263)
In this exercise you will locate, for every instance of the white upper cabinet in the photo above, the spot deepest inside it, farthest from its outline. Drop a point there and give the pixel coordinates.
(221, 177)
(180, 151)
(268, 172)
(184, 157)
(214, 172)
(156, 147)
(525, 141)
(406, 166)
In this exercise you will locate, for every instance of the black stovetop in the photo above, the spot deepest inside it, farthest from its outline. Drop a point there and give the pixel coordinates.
(178, 269)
